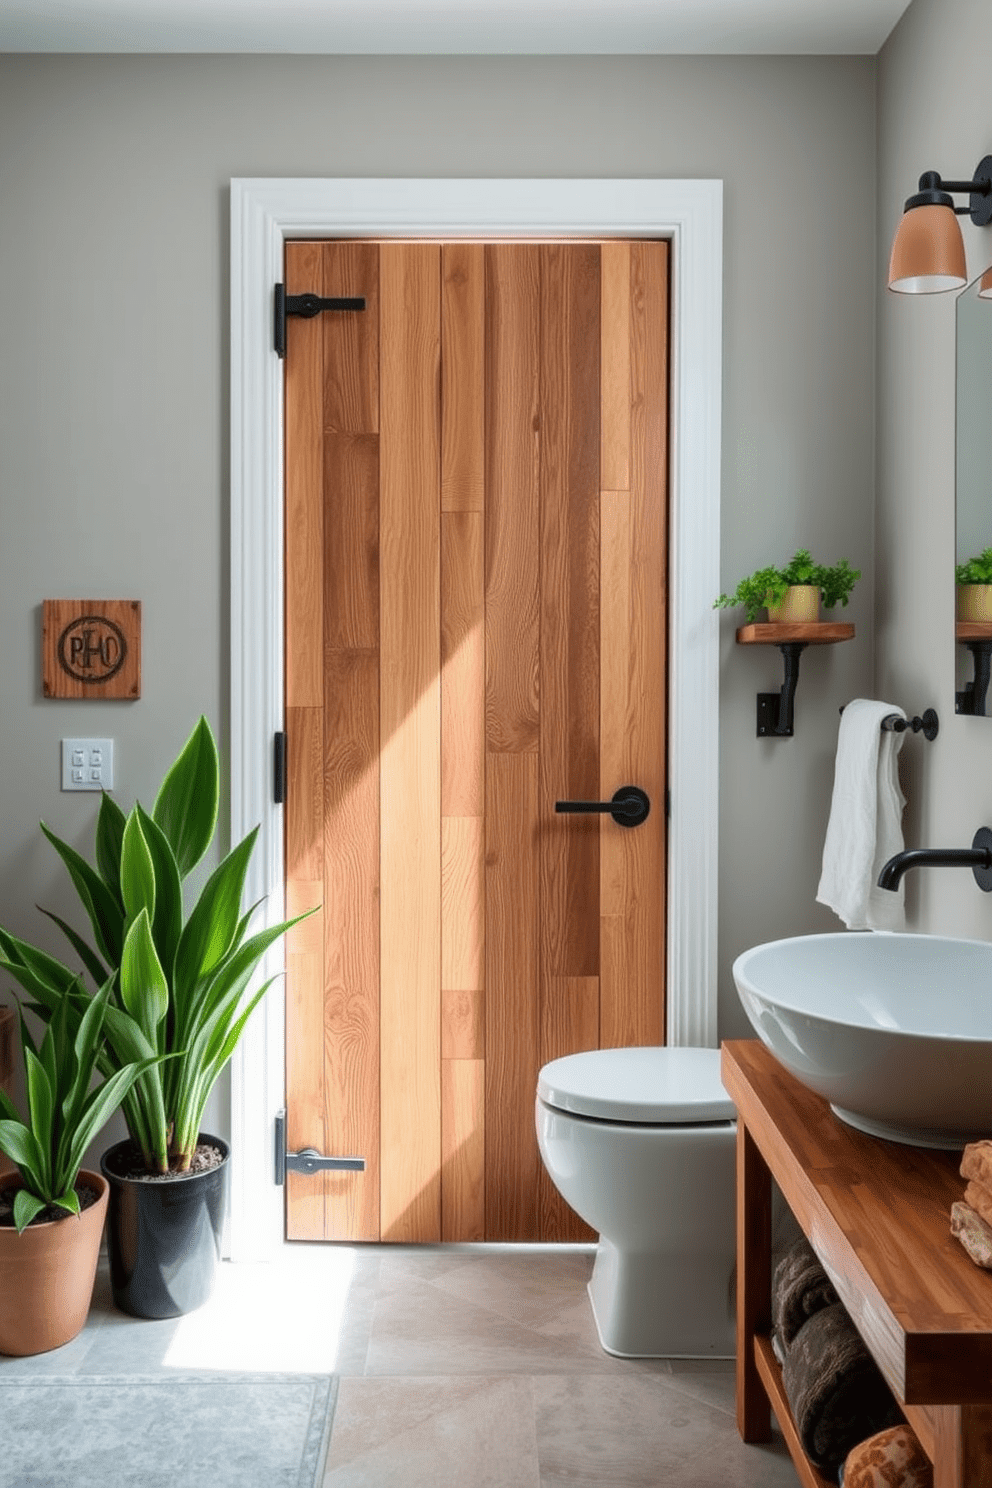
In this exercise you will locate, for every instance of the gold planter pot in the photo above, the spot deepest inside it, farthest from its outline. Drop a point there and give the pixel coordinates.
(975, 602)
(801, 606)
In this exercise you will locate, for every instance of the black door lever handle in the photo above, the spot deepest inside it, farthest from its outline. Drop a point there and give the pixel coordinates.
(628, 808)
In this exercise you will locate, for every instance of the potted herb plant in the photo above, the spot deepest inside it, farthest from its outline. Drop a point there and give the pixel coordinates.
(793, 593)
(974, 588)
(51, 1209)
(179, 992)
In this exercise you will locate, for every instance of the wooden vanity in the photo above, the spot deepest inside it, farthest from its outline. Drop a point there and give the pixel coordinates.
(878, 1216)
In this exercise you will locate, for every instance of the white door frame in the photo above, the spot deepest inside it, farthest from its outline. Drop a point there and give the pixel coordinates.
(264, 213)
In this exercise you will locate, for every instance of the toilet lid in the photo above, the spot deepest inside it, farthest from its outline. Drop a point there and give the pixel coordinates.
(655, 1086)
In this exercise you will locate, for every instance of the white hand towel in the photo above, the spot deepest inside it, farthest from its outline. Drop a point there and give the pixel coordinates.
(865, 826)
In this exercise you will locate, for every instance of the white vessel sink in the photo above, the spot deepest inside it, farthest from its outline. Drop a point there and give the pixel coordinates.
(894, 1030)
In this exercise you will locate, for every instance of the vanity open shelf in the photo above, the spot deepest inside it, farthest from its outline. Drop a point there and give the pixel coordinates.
(878, 1217)
(775, 709)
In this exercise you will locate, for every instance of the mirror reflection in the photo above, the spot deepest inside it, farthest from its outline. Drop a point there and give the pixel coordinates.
(973, 551)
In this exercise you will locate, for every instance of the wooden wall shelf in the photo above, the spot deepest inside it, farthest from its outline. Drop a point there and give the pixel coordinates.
(878, 1217)
(823, 633)
(972, 630)
(775, 709)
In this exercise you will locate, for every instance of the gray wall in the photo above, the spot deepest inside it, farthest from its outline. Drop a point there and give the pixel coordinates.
(933, 115)
(114, 381)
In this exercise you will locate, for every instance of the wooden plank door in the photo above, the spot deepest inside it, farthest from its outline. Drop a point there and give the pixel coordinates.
(476, 508)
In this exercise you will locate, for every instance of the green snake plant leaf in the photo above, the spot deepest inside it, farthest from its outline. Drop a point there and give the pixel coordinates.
(41, 1110)
(109, 842)
(106, 915)
(137, 873)
(97, 1111)
(145, 1106)
(144, 989)
(86, 1048)
(18, 952)
(8, 1111)
(26, 1206)
(212, 925)
(21, 1146)
(85, 952)
(68, 1200)
(186, 805)
(168, 922)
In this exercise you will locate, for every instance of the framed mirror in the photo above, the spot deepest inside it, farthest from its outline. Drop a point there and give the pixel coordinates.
(973, 487)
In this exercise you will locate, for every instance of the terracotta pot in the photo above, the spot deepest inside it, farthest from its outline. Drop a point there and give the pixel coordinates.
(47, 1276)
(975, 602)
(163, 1237)
(801, 605)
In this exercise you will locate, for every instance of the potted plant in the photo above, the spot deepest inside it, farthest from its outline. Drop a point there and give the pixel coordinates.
(974, 588)
(51, 1209)
(793, 593)
(179, 988)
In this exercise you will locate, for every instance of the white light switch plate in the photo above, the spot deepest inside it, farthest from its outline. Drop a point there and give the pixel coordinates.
(87, 764)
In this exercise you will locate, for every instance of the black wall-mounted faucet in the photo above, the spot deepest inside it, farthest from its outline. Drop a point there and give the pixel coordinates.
(977, 857)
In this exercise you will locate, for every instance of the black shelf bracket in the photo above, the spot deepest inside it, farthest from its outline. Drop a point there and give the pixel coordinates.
(775, 709)
(972, 699)
(307, 306)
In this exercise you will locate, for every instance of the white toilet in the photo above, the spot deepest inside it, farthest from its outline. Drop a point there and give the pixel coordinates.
(641, 1143)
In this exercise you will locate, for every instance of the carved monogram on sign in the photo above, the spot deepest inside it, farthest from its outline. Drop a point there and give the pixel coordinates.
(91, 648)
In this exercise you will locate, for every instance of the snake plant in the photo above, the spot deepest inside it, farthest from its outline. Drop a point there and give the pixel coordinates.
(177, 983)
(64, 1114)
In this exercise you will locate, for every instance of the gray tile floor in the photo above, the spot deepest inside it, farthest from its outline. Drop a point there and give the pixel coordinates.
(461, 1367)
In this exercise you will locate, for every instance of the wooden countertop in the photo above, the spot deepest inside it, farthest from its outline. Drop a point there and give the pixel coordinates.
(878, 1216)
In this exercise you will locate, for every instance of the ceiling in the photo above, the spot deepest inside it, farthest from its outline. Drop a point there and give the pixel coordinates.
(543, 27)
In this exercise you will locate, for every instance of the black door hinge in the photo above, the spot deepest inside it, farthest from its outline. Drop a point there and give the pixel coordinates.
(279, 768)
(307, 306)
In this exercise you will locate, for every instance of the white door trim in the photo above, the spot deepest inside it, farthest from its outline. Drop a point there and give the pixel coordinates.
(264, 213)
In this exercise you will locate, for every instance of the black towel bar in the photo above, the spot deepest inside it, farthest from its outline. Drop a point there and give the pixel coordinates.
(929, 724)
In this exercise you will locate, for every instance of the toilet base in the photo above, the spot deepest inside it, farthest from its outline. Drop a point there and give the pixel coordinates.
(654, 1307)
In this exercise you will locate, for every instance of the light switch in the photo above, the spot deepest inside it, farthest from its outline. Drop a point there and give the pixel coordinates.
(87, 764)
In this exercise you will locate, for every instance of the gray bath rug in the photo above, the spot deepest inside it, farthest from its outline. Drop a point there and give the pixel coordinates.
(166, 1431)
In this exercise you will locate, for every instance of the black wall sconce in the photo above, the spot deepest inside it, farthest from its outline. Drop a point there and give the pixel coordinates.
(928, 249)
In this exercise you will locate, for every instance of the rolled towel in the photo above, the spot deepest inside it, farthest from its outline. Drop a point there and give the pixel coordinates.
(800, 1287)
(980, 1199)
(974, 1234)
(890, 1457)
(976, 1162)
(835, 1389)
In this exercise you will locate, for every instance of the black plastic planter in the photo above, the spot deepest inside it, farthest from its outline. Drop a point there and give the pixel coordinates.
(163, 1236)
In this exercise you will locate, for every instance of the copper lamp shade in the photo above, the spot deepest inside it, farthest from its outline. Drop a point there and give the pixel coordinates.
(985, 286)
(928, 250)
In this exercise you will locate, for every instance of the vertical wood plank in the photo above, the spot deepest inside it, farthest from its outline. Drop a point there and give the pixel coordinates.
(350, 1037)
(463, 1097)
(632, 934)
(463, 284)
(409, 288)
(754, 1283)
(351, 344)
(512, 496)
(463, 894)
(350, 1043)
(305, 1094)
(304, 508)
(305, 1125)
(463, 1024)
(615, 355)
(512, 995)
(463, 652)
(569, 632)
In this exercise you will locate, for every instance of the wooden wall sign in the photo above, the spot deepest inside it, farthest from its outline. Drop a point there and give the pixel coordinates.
(91, 648)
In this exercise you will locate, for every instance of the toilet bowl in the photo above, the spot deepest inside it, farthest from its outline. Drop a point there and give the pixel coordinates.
(641, 1143)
